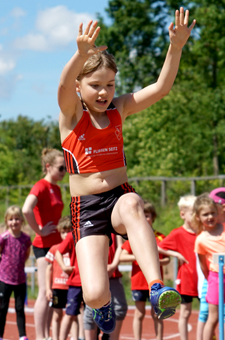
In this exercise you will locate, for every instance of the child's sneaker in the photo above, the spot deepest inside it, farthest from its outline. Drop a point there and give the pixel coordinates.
(105, 318)
(164, 300)
(23, 338)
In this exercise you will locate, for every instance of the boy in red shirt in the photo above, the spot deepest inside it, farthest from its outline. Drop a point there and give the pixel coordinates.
(180, 243)
(74, 294)
(56, 286)
(139, 285)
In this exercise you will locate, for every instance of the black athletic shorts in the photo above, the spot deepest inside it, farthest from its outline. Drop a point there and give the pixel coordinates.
(91, 214)
(59, 298)
(40, 252)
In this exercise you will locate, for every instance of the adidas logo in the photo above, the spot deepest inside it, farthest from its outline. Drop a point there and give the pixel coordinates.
(81, 137)
(88, 224)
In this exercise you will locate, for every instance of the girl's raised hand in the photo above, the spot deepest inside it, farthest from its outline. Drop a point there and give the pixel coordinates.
(181, 32)
(86, 40)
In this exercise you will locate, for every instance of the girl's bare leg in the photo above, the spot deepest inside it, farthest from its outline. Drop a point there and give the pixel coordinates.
(211, 322)
(41, 308)
(139, 314)
(128, 218)
(158, 325)
(92, 256)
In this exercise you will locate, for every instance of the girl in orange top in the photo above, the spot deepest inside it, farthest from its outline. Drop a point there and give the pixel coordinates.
(102, 200)
(211, 239)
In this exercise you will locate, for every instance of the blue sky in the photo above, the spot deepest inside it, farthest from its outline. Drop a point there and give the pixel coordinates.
(37, 38)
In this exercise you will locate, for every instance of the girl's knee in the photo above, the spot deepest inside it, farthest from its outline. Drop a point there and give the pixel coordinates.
(96, 298)
(131, 204)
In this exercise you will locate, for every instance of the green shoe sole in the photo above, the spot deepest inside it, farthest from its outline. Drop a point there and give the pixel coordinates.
(169, 299)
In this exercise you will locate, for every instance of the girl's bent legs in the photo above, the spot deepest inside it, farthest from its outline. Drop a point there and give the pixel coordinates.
(139, 314)
(5, 293)
(92, 256)
(158, 325)
(20, 295)
(211, 322)
(128, 218)
(185, 312)
(41, 308)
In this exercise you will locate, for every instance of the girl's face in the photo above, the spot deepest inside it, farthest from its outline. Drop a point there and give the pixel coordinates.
(64, 233)
(14, 223)
(97, 89)
(57, 170)
(208, 216)
(148, 217)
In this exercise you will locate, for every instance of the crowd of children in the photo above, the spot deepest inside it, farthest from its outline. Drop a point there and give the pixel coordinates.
(201, 234)
(78, 270)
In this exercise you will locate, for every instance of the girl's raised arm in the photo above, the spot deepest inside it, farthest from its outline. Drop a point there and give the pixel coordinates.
(67, 96)
(144, 98)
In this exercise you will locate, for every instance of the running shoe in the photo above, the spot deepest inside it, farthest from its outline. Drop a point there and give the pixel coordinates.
(164, 300)
(105, 318)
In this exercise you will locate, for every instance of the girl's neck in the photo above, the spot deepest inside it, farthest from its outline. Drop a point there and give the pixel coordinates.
(215, 231)
(49, 179)
(16, 233)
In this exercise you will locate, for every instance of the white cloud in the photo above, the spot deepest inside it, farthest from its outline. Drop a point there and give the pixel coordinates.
(7, 85)
(6, 65)
(55, 27)
(32, 41)
(17, 12)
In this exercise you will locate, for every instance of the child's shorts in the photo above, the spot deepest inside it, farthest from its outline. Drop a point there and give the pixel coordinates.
(74, 300)
(212, 295)
(140, 295)
(59, 298)
(187, 298)
(91, 214)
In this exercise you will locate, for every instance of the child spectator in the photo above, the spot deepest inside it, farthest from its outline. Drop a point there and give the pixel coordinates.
(56, 286)
(74, 294)
(139, 285)
(14, 250)
(181, 241)
(211, 239)
(117, 291)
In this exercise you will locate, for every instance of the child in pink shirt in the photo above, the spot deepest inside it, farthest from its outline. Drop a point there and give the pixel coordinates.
(14, 250)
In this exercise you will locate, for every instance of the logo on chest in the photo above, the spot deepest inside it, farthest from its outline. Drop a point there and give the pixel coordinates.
(118, 132)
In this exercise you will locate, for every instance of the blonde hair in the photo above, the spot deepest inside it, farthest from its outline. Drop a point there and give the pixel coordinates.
(96, 61)
(48, 156)
(186, 202)
(200, 202)
(14, 210)
(64, 224)
(149, 208)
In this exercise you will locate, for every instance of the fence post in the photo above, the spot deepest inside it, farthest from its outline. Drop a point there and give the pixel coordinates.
(219, 259)
(193, 189)
(163, 193)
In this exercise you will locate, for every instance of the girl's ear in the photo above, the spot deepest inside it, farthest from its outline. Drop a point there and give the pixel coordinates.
(47, 167)
(197, 218)
(77, 86)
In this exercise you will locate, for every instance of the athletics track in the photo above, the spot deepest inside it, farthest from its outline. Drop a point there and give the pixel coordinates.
(170, 325)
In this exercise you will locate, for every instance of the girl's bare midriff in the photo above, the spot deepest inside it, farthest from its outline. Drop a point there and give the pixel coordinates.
(95, 183)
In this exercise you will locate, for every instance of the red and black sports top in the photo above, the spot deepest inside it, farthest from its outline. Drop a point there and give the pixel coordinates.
(88, 149)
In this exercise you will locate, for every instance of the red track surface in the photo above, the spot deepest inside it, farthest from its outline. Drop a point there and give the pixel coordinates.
(170, 326)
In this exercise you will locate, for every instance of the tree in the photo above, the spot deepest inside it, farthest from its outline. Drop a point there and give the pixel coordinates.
(138, 38)
(21, 144)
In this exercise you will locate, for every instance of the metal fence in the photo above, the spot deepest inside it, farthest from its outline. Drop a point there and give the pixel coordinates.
(19, 192)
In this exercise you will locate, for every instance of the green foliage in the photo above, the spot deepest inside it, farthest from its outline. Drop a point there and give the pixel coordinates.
(21, 144)
(137, 38)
